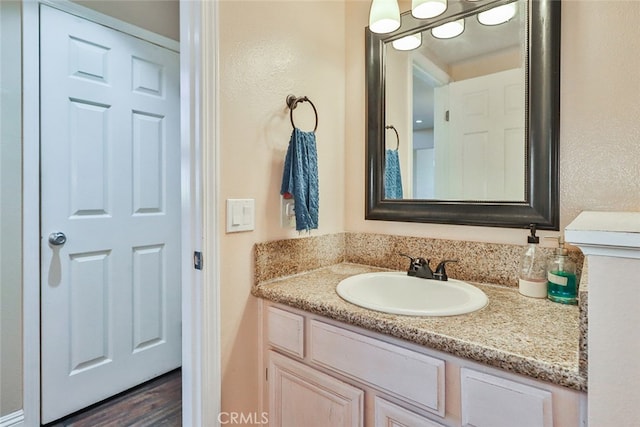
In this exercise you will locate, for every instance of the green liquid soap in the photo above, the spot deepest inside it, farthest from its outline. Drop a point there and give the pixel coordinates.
(562, 287)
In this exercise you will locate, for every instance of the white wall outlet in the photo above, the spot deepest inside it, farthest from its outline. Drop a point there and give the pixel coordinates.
(241, 215)
(287, 213)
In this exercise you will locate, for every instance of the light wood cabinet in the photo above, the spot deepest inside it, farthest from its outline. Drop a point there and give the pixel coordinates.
(285, 331)
(302, 396)
(408, 375)
(388, 414)
(325, 373)
(491, 401)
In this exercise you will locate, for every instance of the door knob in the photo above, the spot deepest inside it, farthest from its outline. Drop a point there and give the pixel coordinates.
(58, 238)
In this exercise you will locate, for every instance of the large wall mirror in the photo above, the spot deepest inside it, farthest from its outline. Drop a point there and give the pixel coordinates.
(463, 129)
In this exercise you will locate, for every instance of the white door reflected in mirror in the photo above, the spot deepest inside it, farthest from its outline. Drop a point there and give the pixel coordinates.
(459, 107)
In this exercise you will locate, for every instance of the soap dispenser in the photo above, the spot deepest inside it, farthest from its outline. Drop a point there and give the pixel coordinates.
(532, 280)
(562, 283)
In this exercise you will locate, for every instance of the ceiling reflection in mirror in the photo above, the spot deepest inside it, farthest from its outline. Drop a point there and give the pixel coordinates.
(455, 115)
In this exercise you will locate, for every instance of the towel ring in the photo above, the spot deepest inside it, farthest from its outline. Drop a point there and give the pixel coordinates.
(397, 136)
(292, 103)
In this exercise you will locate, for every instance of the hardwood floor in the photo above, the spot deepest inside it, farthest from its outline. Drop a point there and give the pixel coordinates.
(155, 403)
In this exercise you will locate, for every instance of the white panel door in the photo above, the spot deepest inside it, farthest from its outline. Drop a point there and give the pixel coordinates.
(485, 153)
(110, 173)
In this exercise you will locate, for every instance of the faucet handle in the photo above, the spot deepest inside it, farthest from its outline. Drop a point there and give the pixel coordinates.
(417, 264)
(441, 272)
(408, 256)
(417, 261)
(411, 271)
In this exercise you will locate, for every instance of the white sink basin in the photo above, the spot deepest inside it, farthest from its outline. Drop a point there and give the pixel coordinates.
(397, 293)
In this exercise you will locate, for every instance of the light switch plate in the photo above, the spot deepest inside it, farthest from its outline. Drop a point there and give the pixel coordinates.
(287, 213)
(241, 215)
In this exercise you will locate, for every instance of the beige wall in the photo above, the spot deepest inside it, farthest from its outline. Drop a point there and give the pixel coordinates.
(600, 137)
(495, 62)
(268, 50)
(159, 16)
(399, 113)
(600, 126)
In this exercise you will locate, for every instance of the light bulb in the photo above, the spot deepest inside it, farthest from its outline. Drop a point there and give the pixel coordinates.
(424, 9)
(497, 15)
(448, 30)
(410, 42)
(384, 16)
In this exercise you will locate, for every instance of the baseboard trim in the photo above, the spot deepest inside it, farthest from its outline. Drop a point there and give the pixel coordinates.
(13, 419)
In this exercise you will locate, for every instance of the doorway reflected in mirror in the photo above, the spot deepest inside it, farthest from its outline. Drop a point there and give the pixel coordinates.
(460, 104)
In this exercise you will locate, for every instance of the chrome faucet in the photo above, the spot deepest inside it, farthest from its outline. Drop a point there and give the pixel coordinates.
(419, 267)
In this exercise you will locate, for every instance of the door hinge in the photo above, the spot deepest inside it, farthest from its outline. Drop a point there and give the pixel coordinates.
(266, 374)
(446, 116)
(197, 260)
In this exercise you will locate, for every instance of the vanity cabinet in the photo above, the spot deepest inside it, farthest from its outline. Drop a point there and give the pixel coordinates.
(302, 396)
(415, 378)
(388, 414)
(325, 373)
(492, 401)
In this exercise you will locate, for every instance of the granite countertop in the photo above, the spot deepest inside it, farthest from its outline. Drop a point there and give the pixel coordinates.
(533, 337)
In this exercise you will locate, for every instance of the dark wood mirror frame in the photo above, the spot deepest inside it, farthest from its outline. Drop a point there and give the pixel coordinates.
(541, 205)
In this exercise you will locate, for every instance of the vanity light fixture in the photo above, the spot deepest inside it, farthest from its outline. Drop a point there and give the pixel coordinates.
(498, 15)
(449, 30)
(384, 16)
(424, 9)
(410, 42)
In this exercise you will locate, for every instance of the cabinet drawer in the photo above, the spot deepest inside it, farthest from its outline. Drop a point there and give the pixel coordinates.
(285, 331)
(490, 401)
(389, 414)
(408, 375)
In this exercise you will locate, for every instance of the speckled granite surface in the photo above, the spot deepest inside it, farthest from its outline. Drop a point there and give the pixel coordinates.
(279, 258)
(477, 262)
(583, 302)
(528, 336)
(512, 332)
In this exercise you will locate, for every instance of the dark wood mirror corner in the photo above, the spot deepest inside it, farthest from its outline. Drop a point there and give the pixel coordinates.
(540, 201)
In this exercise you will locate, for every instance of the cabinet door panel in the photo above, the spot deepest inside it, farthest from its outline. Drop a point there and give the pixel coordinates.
(490, 401)
(302, 396)
(391, 415)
